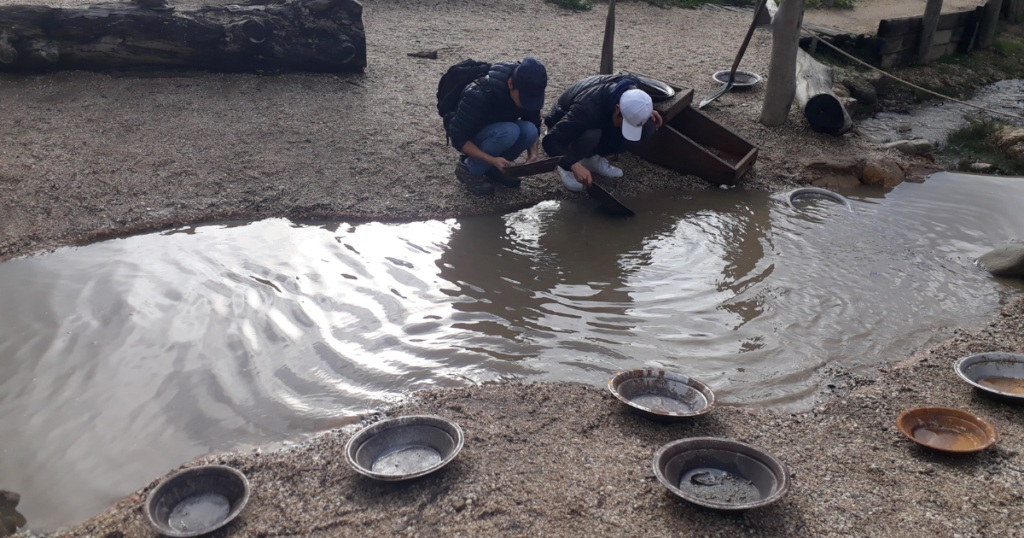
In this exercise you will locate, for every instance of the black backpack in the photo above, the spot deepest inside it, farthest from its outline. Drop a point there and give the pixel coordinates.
(449, 88)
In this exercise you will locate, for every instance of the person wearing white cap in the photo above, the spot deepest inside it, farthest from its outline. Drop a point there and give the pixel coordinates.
(594, 118)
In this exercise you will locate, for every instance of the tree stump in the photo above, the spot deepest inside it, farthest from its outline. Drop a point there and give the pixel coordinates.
(301, 35)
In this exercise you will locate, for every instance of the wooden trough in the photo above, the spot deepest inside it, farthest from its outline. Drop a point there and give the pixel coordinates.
(692, 143)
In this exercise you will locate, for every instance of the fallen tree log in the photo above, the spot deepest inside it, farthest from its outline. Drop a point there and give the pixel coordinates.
(300, 35)
(814, 96)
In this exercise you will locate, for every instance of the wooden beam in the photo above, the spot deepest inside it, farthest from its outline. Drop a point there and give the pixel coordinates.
(814, 95)
(987, 29)
(299, 35)
(928, 26)
(780, 89)
(1016, 12)
(608, 47)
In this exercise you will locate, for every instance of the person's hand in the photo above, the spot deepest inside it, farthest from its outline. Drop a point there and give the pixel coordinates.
(657, 119)
(582, 174)
(500, 163)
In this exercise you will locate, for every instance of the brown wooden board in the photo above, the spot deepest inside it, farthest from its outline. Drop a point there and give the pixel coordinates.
(693, 143)
(891, 45)
(898, 27)
(670, 107)
(610, 203)
(952, 20)
(530, 169)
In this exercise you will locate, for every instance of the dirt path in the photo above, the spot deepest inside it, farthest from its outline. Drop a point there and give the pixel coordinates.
(87, 156)
(866, 13)
(567, 460)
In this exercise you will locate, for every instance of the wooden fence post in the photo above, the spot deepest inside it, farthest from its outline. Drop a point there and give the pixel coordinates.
(928, 25)
(607, 48)
(781, 86)
(987, 30)
(1016, 11)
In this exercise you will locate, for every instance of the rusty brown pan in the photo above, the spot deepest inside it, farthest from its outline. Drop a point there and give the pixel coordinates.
(608, 202)
(530, 169)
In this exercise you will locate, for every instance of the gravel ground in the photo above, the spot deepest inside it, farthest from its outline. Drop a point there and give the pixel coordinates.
(87, 156)
(569, 460)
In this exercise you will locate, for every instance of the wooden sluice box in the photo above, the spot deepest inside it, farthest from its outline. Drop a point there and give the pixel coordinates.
(692, 143)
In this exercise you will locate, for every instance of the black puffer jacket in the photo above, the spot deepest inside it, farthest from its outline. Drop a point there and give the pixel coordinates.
(487, 101)
(587, 104)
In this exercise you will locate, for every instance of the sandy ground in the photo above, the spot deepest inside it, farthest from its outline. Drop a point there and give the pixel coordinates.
(568, 460)
(866, 14)
(86, 156)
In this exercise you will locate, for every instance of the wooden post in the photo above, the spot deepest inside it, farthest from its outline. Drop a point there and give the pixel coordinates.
(928, 25)
(608, 47)
(987, 29)
(1016, 12)
(781, 86)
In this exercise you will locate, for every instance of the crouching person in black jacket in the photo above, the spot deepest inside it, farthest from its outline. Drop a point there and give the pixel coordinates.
(497, 119)
(596, 117)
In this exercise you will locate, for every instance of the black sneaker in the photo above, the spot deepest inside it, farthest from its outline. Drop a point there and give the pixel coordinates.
(511, 182)
(475, 184)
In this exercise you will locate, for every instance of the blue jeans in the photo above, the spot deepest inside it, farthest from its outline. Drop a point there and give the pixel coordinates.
(506, 139)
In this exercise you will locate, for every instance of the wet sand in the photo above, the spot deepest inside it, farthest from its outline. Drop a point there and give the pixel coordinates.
(88, 156)
(570, 460)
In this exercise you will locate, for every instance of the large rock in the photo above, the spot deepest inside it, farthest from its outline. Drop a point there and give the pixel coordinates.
(845, 181)
(832, 165)
(1008, 137)
(1016, 151)
(882, 173)
(1007, 260)
(10, 519)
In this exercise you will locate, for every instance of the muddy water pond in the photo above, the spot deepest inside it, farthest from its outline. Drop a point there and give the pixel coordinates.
(123, 359)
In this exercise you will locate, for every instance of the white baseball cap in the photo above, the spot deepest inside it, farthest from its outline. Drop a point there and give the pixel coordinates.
(636, 108)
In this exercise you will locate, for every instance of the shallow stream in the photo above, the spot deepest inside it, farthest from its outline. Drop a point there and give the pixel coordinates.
(934, 120)
(121, 360)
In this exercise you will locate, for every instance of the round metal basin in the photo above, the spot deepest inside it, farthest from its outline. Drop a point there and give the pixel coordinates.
(661, 395)
(197, 500)
(721, 474)
(1000, 375)
(947, 430)
(743, 80)
(405, 447)
(816, 193)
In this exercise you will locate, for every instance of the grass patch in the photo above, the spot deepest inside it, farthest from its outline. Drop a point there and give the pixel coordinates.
(974, 143)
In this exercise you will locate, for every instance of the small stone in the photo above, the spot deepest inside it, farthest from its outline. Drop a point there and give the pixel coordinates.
(980, 167)
(459, 505)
